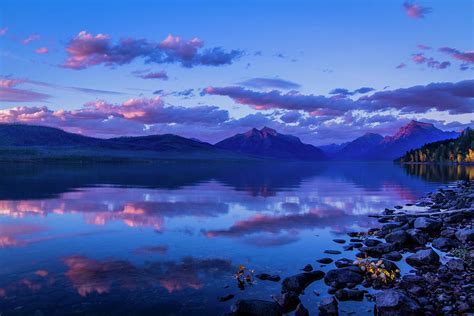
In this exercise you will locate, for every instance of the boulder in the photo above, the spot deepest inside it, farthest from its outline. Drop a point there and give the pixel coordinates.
(256, 308)
(399, 237)
(455, 265)
(308, 268)
(344, 262)
(427, 224)
(332, 252)
(394, 256)
(350, 295)
(297, 283)
(444, 244)
(328, 307)
(341, 278)
(288, 301)
(325, 260)
(301, 310)
(372, 242)
(394, 302)
(418, 237)
(465, 235)
(339, 241)
(268, 277)
(423, 258)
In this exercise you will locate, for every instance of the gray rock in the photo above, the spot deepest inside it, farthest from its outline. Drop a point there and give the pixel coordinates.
(332, 252)
(399, 236)
(427, 224)
(297, 283)
(328, 307)
(268, 277)
(418, 237)
(372, 242)
(256, 308)
(325, 260)
(466, 234)
(341, 278)
(455, 265)
(394, 256)
(425, 257)
(350, 295)
(288, 301)
(344, 262)
(393, 303)
(308, 268)
(444, 244)
(301, 310)
(339, 241)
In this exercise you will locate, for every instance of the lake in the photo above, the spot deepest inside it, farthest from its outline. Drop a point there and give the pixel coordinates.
(167, 238)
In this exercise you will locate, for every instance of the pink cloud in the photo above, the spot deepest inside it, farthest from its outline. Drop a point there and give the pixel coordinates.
(42, 50)
(467, 57)
(418, 58)
(31, 38)
(87, 50)
(415, 11)
(10, 94)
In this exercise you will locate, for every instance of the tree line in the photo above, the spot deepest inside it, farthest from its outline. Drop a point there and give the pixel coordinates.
(459, 150)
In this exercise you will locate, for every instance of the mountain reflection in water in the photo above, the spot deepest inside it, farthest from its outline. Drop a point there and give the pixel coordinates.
(137, 239)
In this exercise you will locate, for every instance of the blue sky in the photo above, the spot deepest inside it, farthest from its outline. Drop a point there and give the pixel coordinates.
(319, 45)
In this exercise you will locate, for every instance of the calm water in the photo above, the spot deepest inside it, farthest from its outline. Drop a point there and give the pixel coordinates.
(166, 239)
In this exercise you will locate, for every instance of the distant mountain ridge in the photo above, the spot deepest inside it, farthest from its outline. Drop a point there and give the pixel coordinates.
(29, 140)
(376, 147)
(268, 142)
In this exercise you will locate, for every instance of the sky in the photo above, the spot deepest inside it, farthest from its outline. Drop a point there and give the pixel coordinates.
(325, 71)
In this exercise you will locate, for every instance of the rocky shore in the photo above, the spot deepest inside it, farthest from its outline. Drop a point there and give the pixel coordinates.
(437, 243)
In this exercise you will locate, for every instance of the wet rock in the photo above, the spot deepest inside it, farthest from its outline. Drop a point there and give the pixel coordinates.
(425, 257)
(356, 240)
(297, 283)
(455, 218)
(427, 224)
(444, 244)
(308, 268)
(394, 302)
(332, 252)
(341, 278)
(465, 235)
(301, 310)
(339, 241)
(350, 295)
(379, 250)
(344, 262)
(226, 298)
(356, 245)
(325, 260)
(398, 207)
(268, 277)
(372, 242)
(348, 248)
(256, 308)
(394, 256)
(418, 237)
(328, 307)
(455, 265)
(399, 237)
(288, 301)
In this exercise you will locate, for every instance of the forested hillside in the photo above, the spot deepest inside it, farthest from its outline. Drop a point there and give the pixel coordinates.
(459, 150)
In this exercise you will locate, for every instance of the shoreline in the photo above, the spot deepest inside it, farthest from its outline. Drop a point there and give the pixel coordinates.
(436, 243)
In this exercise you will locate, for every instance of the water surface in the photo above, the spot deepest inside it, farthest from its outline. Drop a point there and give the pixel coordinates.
(167, 238)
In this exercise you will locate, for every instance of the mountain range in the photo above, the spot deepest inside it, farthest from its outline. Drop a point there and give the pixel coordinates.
(376, 147)
(18, 141)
